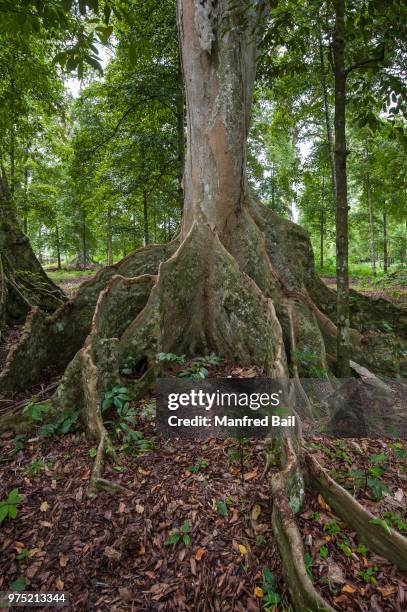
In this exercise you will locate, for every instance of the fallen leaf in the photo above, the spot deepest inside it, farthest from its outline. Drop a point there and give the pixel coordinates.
(53, 484)
(259, 592)
(256, 511)
(139, 508)
(63, 559)
(387, 591)
(242, 549)
(142, 549)
(322, 503)
(126, 595)
(122, 507)
(348, 589)
(250, 475)
(112, 553)
(44, 506)
(200, 553)
(193, 566)
(59, 584)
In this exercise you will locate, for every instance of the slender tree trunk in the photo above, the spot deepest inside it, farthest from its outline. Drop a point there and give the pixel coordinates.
(134, 229)
(84, 244)
(58, 246)
(327, 113)
(145, 218)
(371, 225)
(109, 237)
(180, 106)
(341, 199)
(385, 252)
(273, 186)
(322, 225)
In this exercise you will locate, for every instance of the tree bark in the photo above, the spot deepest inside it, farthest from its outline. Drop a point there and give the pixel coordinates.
(371, 225)
(385, 247)
(219, 71)
(327, 114)
(322, 225)
(145, 218)
(58, 246)
(341, 195)
(180, 106)
(109, 237)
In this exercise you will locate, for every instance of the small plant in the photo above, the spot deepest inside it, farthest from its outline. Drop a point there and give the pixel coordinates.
(36, 467)
(18, 443)
(308, 562)
(271, 596)
(324, 552)
(23, 555)
(180, 535)
(119, 398)
(200, 465)
(261, 540)
(362, 550)
(222, 507)
(332, 528)
(396, 520)
(345, 548)
(171, 357)
(309, 362)
(368, 575)
(63, 425)
(315, 516)
(18, 585)
(92, 452)
(198, 368)
(9, 506)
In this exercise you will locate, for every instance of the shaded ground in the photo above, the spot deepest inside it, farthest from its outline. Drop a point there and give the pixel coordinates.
(392, 286)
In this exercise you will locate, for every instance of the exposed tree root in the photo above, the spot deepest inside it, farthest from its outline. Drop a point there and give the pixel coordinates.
(52, 341)
(385, 542)
(288, 491)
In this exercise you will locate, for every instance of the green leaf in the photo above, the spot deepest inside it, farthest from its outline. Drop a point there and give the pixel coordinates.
(222, 508)
(18, 585)
(185, 527)
(186, 539)
(3, 512)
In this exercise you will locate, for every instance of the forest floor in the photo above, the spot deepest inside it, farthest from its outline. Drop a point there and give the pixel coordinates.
(194, 532)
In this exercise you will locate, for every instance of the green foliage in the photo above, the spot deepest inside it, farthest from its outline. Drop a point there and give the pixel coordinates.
(324, 552)
(199, 466)
(23, 555)
(182, 534)
(395, 520)
(18, 585)
(171, 357)
(63, 425)
(332, 527)
(271, 597)
(382, 523)
(308, 562)
(222, 507)
(362, 550)
(309, 364)
(36, 467)
(369, 574)
(8, 507)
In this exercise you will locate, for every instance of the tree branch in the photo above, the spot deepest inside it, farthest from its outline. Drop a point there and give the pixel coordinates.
(372, 60)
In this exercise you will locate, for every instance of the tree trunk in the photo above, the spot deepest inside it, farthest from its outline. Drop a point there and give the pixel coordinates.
(180, 105)
(145, 218)
(109, 237)
(341, 195)
(219, 73)
(84, 242)
(331, 152)
(322, 225)
(371, 225)
(58, 246)
(385, 251)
